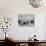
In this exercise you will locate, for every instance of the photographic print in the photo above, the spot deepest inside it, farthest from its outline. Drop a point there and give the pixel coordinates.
(27, 20)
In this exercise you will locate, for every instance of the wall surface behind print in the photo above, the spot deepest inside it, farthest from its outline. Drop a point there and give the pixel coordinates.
(11, 8)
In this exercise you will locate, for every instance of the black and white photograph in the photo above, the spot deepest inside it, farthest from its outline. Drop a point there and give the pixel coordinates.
(26, 20)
